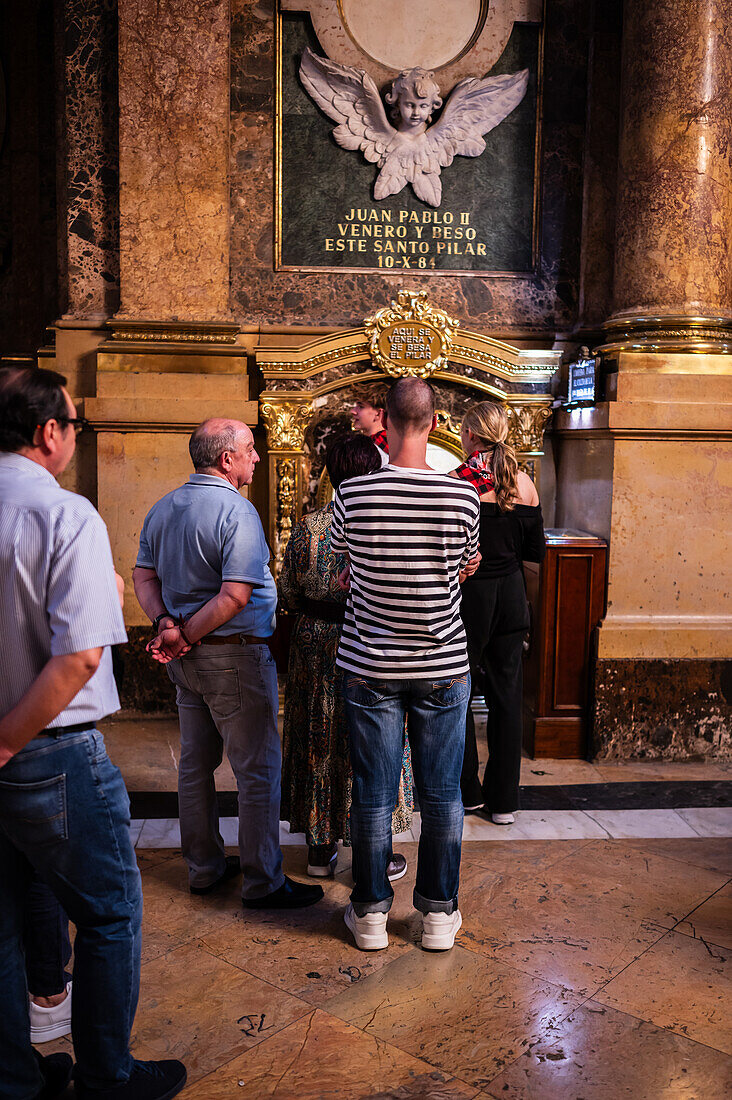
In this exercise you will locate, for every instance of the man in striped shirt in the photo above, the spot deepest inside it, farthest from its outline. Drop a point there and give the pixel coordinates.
(411, 535)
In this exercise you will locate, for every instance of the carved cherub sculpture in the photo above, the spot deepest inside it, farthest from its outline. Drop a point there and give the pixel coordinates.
(412, 151)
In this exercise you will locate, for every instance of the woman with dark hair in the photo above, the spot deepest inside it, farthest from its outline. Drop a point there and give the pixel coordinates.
(494, 607)
(316, 769)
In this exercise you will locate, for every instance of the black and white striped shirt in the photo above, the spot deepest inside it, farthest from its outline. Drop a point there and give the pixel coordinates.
(407, 533)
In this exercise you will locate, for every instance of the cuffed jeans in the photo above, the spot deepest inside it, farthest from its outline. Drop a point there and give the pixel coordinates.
(227, 698)
(45, 940)
(64, 812)
(435, 712)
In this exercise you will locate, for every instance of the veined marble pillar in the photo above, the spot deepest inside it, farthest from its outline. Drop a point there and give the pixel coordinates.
(650, 467)
(174, 152)
(172, 356)
(89, 182)
(673, 251)
(88, 194)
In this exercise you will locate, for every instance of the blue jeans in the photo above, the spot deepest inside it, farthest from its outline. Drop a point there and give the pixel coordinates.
(45, 941)
(65, 814)
(435, 712)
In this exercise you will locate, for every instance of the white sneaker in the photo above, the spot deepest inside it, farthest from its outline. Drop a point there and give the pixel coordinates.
(369, 931)
(50, 1023)
(439, 930)
(502, 819)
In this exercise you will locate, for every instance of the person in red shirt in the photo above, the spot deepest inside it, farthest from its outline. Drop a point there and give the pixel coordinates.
(367, 413)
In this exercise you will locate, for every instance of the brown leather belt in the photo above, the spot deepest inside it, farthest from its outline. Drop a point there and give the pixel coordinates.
(233, 639)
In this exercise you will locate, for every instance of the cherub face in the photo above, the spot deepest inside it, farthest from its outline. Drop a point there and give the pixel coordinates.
(414, 111)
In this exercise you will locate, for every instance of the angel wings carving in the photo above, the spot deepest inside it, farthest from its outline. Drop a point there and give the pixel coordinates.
(411, 151)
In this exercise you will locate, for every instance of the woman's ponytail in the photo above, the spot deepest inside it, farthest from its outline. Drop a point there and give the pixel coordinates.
(488, 422)
(505, 475)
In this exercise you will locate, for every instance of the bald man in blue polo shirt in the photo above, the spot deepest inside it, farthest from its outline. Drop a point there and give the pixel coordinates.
(202, 576)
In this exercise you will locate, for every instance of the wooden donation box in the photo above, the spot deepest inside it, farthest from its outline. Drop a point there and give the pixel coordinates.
(567, 598)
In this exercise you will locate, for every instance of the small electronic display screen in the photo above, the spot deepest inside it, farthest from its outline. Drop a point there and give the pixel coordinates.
(581, 382)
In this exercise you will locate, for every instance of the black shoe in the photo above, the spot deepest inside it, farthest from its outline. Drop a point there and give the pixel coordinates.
(396, 867)
(148, 1081)
(232, 869)
(56, 1070)
(291, 895)
(322, 859)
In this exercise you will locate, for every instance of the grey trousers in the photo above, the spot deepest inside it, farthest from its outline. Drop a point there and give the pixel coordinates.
(227, 699)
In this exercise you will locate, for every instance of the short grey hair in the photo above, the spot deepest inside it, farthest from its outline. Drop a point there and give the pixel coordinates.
(206, 446)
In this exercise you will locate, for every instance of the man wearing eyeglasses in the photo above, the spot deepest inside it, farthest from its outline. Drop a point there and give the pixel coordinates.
(64, 811)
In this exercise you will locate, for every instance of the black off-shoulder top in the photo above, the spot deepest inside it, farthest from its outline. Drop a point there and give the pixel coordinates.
(508, 538)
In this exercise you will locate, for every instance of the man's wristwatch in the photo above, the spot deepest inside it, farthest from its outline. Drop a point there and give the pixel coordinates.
(158, 619)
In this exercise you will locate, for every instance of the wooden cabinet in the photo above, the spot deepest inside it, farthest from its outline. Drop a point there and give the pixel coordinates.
(567, 598)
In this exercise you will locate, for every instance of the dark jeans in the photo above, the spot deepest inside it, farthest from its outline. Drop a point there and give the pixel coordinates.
(65, 815)
(496, 618)
(45, 941)
(375, 712)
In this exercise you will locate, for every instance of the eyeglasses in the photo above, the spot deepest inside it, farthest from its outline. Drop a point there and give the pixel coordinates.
(80, 423)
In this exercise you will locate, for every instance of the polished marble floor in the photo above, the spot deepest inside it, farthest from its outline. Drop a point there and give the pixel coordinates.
(565, 799)
(586, 967)
(147, 751)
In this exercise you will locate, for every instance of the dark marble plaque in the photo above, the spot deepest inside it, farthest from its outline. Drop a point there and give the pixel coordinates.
(329, 218)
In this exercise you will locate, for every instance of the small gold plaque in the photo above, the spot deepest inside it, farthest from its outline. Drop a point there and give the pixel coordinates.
(409, 343)
(410, 336)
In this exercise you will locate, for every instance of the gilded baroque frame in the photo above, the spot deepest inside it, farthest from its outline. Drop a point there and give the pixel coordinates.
(296, 378)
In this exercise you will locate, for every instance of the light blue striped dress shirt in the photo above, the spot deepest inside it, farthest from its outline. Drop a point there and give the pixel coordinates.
(57, 589)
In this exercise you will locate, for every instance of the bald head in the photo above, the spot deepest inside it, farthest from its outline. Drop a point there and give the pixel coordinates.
(410, 406)
(213, 437)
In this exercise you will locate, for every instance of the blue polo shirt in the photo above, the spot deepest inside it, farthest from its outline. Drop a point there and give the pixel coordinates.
(199, 536)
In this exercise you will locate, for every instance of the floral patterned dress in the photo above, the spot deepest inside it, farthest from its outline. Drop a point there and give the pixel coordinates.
(316, 769)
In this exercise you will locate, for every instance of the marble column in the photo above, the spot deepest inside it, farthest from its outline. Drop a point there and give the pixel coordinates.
(174, 150)
(673, 247)
(172, 357)
(649, 466)
(600, 168)
(88, 171)
(87, 202)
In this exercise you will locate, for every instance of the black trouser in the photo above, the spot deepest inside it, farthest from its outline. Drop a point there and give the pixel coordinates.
(496, 618)
(45, 940)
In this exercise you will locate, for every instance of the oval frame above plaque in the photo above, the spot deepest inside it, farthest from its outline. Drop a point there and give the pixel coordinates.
(410, 336)
(476, 57)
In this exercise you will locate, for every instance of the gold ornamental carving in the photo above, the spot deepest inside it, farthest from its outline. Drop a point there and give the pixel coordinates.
(447, 423)
(672, 333)
(286, 482)
(526, 425)
(410, 337)
(174, 332)
(317, 362)
(286, 423)
(353, 352)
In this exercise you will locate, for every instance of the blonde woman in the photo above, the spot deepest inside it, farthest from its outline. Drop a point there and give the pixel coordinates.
(494, 608)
